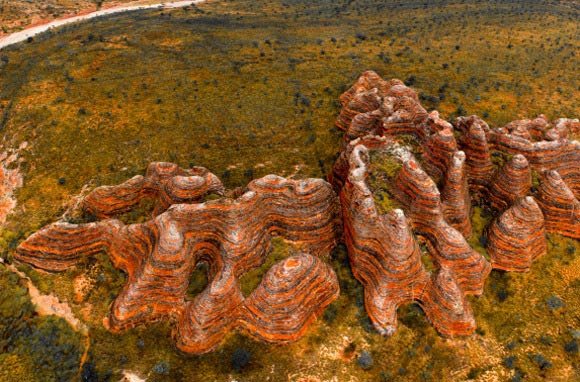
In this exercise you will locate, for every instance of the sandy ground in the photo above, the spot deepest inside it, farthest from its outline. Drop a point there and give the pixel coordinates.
(33, 31)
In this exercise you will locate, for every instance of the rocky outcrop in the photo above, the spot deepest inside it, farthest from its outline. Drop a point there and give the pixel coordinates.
(517, 237)
(542, 155)
(386, 259)
(165, 182)
(385, 107)
(456, 201)
(460, 163)
(445, 305)
(513, 181)
(560, 206)
(383, 252)
(289, 298)
(421, 199)
(233, 237)
(412, 249)
(439, 150)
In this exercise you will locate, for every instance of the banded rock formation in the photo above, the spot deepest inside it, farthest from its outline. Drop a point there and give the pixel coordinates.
(233, 237)
(518, 237)
(462, 166)
(386, 259)
(525, 174)
(165, 182)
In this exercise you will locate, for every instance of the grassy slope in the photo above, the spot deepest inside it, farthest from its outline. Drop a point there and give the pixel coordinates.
(250, 88)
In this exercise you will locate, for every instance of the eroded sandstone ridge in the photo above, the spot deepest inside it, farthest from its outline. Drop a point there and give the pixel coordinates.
(233, 236)
(430, 188)
(407, 183)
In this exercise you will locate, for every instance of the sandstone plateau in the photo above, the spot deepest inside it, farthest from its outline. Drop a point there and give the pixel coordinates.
(525, 175)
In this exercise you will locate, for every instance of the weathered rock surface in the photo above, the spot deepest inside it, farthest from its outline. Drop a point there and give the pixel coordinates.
(458, 159)
(233, 237)
(386, 259)
(388, 265)
(456, 201)
(10, 180)
(415, 251)
(291, 295)
(560, 206)
(473, 142)
(513, 181)
(165, 182)
(517, 237)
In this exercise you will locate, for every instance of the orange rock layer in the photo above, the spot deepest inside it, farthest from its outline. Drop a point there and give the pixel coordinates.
(525, 174)
(233, 237)
(518, 237)
(165, 182)
(460, 159)
(385, 257)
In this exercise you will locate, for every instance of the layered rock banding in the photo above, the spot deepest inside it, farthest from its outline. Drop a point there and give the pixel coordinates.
(389, 265)
(458, 160)
(165, 182)
(524, 174)
(233, 237)
(516, 238)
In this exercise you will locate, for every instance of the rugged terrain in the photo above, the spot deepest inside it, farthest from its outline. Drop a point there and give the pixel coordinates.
(249, 89)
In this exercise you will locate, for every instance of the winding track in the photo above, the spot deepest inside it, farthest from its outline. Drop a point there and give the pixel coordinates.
(33, 31)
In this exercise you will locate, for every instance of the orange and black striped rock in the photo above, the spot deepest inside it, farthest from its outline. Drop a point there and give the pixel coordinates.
(403, 114)
(385, 255)
(383, 252)
(473, 142)
(441, 220)
(513, 182)
(543, 155)
(205, 321)
(341, 166)
(563, 128)
(418, 193)
(560, 206)
(455, 198)
(291, 295)
(517, 237)
(61, 245)
(450, 250)
(439, 148)
(373, 106)
(360, 103)
(166, 182)
(571, 176)
(445, 305)
(233, 236)
(367, 81)
(530, 129)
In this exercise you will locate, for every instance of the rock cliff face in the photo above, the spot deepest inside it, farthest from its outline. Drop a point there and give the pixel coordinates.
(435, 191)
(232, 236)
(413, 250)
